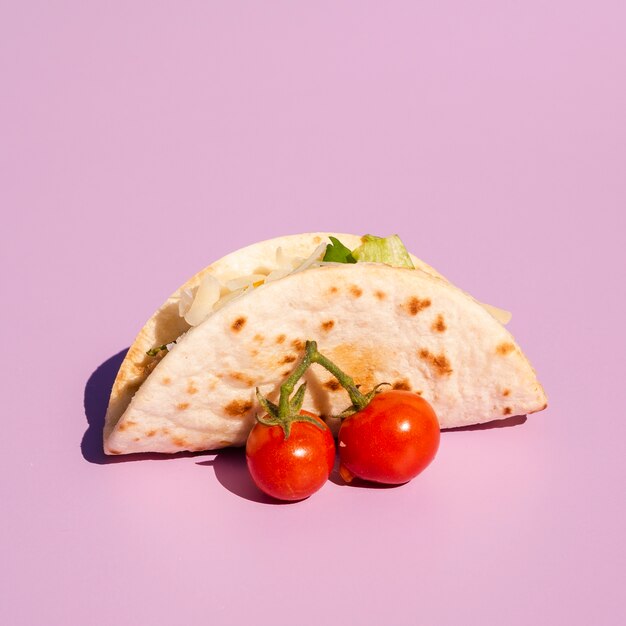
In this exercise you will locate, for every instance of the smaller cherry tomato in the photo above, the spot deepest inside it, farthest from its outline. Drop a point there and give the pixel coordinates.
(292, 468)
(391, 440)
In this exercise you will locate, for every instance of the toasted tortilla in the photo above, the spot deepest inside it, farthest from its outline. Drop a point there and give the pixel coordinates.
(166, 325)
(410, 328)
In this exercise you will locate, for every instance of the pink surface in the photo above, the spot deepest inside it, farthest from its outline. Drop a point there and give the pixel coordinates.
(138, 143)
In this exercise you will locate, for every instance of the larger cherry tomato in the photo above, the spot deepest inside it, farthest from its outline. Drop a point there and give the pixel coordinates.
(292, 468)
(391, 440)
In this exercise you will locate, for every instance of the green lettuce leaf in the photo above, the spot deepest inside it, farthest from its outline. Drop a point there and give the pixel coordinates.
(336, 252)
(389, 250)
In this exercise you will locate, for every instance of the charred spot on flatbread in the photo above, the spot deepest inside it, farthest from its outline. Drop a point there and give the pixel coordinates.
(191, 388)
(506, 392)
(356, 291)
(332, 384)
(281, 338)
(288, 358)
(238, 407)
(181, 406)
(242, 378)
(381, 295)
(439, 325)
(179, 441)
(238, 324)
(327, 325)
(414, 305)
(259, 338)
(360, 361)
(505, 348)
(333, 290)
(402, 385)
(439, 363)
(507, 410)
(127, 424)
(297, 344)
(166, 380)
(151, 433)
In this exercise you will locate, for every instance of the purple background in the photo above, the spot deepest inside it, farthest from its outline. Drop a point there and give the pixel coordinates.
(141, 141)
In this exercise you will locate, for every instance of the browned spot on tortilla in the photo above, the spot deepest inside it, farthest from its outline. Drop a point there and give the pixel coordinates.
(438, 362)
(506, 392)
(361, 362)
(419, 393)
(238, 324)
(439, 325)
(507, 410)
(357, 292)
(402, 384)
(286, 373)
(166, 380)
(181, 406)
(151, 433)
(127, 424)
(317, 239)
(297, 344)
(381, 295)
(332, 384)
(242, 378)
(327, 325)
(225, 443)
(136, 438)
(289, 358)
(254, 352)
(280, 338)
(505, 348)
(179, 441)
(414, 305)
(259, 338)
(165, 431)
(333, 289)
(111, 451)
(191, 388)
(238, 407)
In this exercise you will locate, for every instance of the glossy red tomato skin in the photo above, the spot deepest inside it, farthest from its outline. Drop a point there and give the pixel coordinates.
(293, 468)
(391, 440)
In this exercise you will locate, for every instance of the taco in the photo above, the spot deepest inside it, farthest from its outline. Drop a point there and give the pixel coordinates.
(188, 381)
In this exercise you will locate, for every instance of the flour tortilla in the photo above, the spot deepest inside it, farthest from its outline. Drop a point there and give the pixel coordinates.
(410, 328)
(166, 325)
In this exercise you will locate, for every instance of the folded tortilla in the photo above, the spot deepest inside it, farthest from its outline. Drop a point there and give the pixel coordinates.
(407, 327)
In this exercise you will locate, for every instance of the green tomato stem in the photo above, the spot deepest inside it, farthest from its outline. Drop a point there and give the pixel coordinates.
(359, 400)
(288, 408)
(286, 389)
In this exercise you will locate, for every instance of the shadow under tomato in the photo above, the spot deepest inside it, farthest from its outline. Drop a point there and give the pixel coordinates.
(232, 473)
(360, 484)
